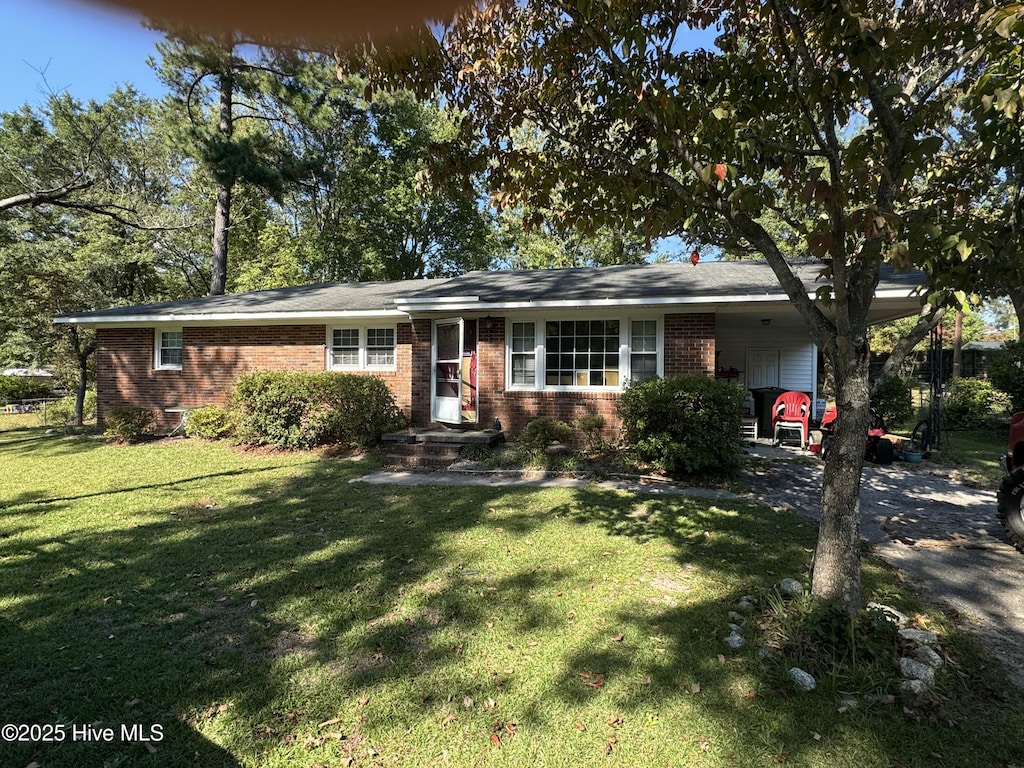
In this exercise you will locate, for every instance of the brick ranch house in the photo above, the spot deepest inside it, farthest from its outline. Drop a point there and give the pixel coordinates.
(463, 351)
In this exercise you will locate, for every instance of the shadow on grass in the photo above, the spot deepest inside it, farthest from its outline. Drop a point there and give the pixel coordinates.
(257, 623)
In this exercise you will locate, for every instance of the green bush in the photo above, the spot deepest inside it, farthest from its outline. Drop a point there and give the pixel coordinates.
(304, 410)
(541, 432)
(967, 404)
(61, 413)
(14, 388)
(686, 426)
(127, 423)
(591, 426)
(893, 402)
(1007, 373)
(211, 422)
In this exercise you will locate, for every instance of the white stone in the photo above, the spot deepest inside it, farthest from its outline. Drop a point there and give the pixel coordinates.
(928, 656)
(735, 640)
(915, 670)
(791, 588)
(747, 603)
(736, 618)
(897, 618)
(803, 681)
(736, 628)
(913, 687)
(919, 636)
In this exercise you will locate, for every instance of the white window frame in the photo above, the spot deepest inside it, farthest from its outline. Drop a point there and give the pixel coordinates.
(540, 350)
(158, 347)
(364, 332)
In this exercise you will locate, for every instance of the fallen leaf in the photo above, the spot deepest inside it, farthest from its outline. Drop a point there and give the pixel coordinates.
(721, 659)
(618, 638)
(490, 704)
(495, 739)
(615, 721)
(815, 735)
(511, 727)
(362, 701)
(580, 726)
(695, 688)
(332, 721)
(130, 704)
(449, 718)
(467, 702)
(149, 747)
(782, 757)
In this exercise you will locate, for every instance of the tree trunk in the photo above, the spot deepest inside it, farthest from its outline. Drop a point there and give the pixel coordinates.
(221, 224)
(958, 343)
(82, 355)
(836, 571)
(222, 213)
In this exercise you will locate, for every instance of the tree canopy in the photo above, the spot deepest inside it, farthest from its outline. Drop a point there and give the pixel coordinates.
(816, 130)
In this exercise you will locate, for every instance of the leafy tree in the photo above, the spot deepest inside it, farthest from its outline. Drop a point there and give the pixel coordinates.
(70, 155)
(366, 212)
(220, 89)
(817, 124)
(991, 163)
(63, 259)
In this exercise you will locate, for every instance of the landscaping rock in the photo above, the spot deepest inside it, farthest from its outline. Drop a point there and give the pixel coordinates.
(735, 640)
(927, 655)
(913, 687)
(897, 618)
(915, 670)
(918, 636)
(791, 588)
(736, 628)
(803, 681)
(736, 618)
(747, 604)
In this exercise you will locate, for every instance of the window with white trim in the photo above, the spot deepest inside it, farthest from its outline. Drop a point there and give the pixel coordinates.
(362, 348)
(575, 354)
(524, 354)
(581, 353)
(643, 349)
(167, 353)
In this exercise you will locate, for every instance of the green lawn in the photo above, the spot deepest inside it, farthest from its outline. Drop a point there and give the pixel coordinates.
(264, 611)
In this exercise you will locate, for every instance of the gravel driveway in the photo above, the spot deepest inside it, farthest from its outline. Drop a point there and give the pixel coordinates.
(942, 535)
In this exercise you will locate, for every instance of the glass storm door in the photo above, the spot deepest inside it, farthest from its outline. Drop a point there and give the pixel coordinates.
(447, 401)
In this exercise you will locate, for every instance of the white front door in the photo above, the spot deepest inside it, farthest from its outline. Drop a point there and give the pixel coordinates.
(447, 391)
(762, 368)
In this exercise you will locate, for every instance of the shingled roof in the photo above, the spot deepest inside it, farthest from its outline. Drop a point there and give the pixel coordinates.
(721, 282)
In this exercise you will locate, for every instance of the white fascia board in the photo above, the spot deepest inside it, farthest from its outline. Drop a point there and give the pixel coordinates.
(229, 318)
(606, 302)
(455, 303)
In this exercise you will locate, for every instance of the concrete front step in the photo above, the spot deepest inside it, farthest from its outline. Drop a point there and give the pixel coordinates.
(433, 448)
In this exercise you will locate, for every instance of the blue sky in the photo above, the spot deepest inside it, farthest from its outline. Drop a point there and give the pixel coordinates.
(87, 50)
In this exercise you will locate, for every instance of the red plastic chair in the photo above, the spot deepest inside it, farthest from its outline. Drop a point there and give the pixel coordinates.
(791, 411)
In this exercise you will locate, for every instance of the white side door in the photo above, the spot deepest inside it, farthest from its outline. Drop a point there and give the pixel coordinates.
(762, 368)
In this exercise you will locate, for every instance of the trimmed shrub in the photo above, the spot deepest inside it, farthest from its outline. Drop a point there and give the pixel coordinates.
(687, 426)
(61, 413)
(967, 404)
(211, 422)
(542, 431)
(304, 410)
(591, 425)
(127, 423)
(1007, 373)
(893, 402)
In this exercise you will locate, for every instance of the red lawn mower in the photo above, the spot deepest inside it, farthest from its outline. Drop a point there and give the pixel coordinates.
(878, 449)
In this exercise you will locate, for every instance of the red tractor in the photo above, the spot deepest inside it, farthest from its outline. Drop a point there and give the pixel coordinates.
(1011, 492)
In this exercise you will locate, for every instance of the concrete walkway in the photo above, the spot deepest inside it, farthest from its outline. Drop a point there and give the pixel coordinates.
(942, 535)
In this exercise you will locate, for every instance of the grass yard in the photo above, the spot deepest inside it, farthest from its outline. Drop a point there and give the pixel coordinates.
(261, 610)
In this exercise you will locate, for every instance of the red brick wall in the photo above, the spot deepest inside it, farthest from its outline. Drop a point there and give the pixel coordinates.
(690, 344)
(689, 348)
(212, 358)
